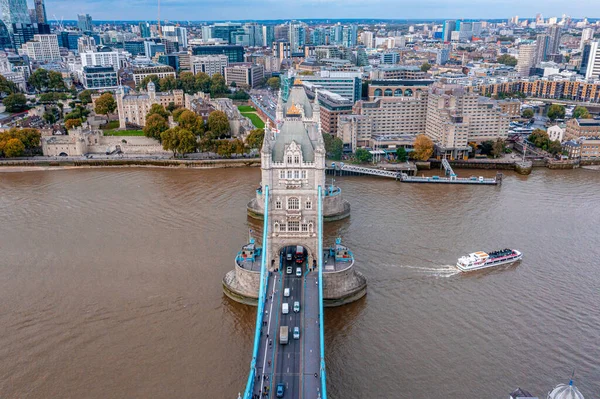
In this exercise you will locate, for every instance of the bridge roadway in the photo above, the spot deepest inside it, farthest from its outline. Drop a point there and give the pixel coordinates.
(295, 364)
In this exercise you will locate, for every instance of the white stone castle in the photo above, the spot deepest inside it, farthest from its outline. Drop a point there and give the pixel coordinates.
(132, 108)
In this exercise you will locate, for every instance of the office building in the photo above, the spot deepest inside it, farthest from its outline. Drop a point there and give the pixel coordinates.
(43, 48)
(152, 48)
(86, 43)
(84, 22)
(5, 37)
(297, 36)
(268, 35)
(22, 33)
(224, 30)
(332, 107)
(134, 47)
(368, 39)
(103, 58)
(591, 61)
(132, 108)
(443, 55)
(554, 32)
(162, 71)
(69, 40)
(448, 28)
(244, 75)
(177, 34)
(14, 12)
(346, 84)
(40, 12)
(456, 117)
(397, 72)
(390, 57)
(233, 53)
(99, 77)
(171, 60)
(210, 64)
(145, 29)
(526, 60)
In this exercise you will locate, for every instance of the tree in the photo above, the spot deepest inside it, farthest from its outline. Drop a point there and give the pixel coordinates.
(158, 109)
(554, 147)
(498, 148)
(71, 123)
(218, 124)
(170, 140)
(172, 107)
(362, 155)
(56, 82)
(49, 117)
(486, 147)
(217, 84)
(177, 113)
(556, 111)
(581, 112)
(187, 82)
(423, 148)
(233, 84)
(150, 78)
(306, 73)
(255, 138)
(334, 146)
(7, 87)
(180, 141)
(105, 104)
(401, 154)
(425, 67)
(190, 121)
(39, 79)
(274, 83)
(13, 148)
(203, 82)
(167, 83)
(527, 113)
(155, 126)
(507, 59)
(85, 97)
(15, 102)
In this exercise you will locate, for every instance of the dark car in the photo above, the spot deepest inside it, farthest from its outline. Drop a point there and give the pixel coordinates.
(280, 390)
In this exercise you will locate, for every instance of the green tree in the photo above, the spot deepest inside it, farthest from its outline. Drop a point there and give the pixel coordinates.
(155, 126)
(423, 148)
(498, 148)
(554, 147)
(167, 83)
(486, 147)
(556, 111)
(362, 155)
(187, 82)
(7, 87)
(15, 102)
(274, 82)
(150, 78)
(105, 105)
(71, 123)
(334, 146)
(14, 148)
(158, 109)
(172, 107)
(187, 142)
(527, 113)
(401, 154)
(507, 59)
(255, 138)
(581, 112)
(180, 141)
(218, 124)
(203, 82)
(177, 113)
(306, 73)
(39, 79)
(190, 121)
(56, 81)
(425, 67)
(170, 140)
(85, 97)
(217, 84)
(29, 137)
(49, 117)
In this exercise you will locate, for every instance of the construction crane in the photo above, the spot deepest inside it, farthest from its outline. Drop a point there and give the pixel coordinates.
(60, 24)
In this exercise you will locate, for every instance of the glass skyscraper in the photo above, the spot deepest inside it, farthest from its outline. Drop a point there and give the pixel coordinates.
(14, 12)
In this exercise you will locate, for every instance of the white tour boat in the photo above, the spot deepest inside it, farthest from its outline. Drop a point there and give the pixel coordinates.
(482, 260)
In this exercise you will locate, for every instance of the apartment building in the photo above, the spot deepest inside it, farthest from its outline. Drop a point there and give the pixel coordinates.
(42, 48)
(107, 58)
(332, 106)
(245, 75)
(162, 71)
(577, 128)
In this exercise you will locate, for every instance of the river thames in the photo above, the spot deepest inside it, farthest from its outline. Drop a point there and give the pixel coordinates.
(110, 286)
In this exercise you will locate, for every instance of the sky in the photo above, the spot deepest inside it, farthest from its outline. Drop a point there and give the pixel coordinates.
(201, 10)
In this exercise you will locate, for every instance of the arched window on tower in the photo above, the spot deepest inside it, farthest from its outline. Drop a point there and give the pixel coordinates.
(289, 158)
(388, 92)
(296, 158)
(278, 204)
(378, 93)
(308, 204)
(293, 203)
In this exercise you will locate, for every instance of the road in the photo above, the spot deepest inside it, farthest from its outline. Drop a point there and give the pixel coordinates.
(295, 364)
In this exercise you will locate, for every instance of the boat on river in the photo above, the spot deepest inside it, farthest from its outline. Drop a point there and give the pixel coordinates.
(482, 260)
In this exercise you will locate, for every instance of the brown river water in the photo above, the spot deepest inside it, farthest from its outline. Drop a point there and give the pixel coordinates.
(110, 286)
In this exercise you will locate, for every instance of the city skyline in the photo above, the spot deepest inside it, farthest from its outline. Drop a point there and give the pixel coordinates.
(186, 10)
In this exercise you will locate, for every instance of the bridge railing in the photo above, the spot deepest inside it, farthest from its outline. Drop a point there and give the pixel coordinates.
(321, 324)
(262, 292)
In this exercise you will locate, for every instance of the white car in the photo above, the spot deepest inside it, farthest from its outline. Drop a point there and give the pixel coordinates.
(288, 270)
(298, 272)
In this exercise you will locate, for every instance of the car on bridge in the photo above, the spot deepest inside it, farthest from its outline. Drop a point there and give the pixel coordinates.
(296, 332)
(280, 390)
(298, 272)
(288, 270)
(296, 306)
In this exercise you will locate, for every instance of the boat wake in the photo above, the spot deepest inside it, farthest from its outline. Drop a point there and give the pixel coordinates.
(443, 271)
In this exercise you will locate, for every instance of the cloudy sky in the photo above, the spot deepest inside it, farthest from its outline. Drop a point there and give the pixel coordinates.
(197, 10)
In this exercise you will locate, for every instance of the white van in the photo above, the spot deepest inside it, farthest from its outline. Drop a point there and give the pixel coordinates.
(285, 309)
(286, 292)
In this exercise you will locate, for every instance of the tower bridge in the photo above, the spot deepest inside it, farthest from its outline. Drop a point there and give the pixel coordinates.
(291, 277)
